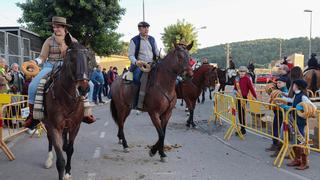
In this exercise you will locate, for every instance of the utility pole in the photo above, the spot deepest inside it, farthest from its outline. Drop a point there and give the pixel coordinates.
(280, 49)
(143, 10)
(227, 54)
(310, 11)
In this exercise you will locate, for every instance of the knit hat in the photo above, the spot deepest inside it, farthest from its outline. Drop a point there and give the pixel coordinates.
(283, 79)
(243, 69)
(302, 84)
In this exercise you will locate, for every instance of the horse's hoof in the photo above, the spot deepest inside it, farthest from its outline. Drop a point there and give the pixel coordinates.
(67, 177)
(151, 154)
(163, 159)
(49, 161)
(126, 150)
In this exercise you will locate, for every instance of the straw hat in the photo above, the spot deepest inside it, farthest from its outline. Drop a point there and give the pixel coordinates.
(59, 21)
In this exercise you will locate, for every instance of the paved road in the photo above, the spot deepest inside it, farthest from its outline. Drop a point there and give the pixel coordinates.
(203, 155)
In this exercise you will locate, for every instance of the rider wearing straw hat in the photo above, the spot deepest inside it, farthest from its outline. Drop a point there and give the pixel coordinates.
(52, 54)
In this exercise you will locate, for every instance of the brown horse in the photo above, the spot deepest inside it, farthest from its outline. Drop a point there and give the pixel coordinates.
(160, 96)
(190, 90)
(312, 76)
(64, 109)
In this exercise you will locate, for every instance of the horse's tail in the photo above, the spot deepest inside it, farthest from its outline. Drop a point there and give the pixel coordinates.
(314, 80)
(114, 111)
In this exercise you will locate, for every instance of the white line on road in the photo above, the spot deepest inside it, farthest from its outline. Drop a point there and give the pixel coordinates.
(102, 134)
(96, 153)
(106, 123)
(92, 176)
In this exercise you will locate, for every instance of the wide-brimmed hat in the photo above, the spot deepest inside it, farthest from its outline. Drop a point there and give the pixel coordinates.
(182, 42)
(302, 84)
(59, 21)
(243, 69)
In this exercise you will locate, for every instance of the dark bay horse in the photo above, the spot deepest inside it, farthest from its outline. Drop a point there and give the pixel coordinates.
(160, 96)
(64, 109)
(312, 77)
(190, 90)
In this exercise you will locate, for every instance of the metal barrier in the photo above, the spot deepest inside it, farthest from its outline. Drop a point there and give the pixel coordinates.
(256, 116)
(13, 111)
(310, 141)
(224, 108)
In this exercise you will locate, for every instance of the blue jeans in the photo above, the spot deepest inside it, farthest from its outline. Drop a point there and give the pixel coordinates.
(91, 90)
(137, 73)
(32, 90)
(97, 91)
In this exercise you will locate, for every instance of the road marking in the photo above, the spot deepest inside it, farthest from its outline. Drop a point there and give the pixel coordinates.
(102, 134)
(292, 174)
(106, 123)
(96, 153)
(92, 176)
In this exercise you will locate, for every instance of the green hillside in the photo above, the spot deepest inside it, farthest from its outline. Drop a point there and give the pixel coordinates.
(262, 51)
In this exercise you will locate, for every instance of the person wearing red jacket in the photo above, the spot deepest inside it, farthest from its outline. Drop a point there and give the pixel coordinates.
(243, 86)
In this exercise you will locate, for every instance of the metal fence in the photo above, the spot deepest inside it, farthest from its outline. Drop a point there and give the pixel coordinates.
(14, 48)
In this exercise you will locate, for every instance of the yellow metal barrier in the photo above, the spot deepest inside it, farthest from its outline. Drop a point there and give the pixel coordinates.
(258, 117)
(11, 115)
(225, 109)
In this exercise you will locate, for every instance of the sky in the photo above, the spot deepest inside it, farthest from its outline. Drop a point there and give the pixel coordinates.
(226, 20)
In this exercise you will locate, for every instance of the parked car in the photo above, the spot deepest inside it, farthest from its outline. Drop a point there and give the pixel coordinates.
(265, 78)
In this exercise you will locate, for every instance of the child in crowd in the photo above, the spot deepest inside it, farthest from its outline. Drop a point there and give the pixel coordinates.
(301, 159)
(243, 85)
(278, 117)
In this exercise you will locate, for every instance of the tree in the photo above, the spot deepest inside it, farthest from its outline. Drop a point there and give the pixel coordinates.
(94, 22)
(181, 31)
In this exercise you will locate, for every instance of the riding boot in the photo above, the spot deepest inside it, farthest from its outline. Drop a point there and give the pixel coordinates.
(304, 161)
(142, 92)
(30, 122)
(297, 158)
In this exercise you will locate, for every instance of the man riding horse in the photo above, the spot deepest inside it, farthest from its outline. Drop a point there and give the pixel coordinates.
(231, 72)
(143, 51)
(313, 62)
(52, 54)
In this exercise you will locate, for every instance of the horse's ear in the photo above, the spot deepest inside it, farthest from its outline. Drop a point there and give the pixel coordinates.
(68, 39)
(189, 46)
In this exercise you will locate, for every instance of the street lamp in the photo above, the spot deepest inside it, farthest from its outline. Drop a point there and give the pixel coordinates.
(310, 11)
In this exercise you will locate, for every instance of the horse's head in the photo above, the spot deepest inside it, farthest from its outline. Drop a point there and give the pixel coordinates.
(211, 77)
(181, 65)
(77, 61)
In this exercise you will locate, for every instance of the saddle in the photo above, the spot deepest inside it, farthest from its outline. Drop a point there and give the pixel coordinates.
(45, 83)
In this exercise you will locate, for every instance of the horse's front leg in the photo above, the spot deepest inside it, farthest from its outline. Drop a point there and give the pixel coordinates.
(69, 150)
(49, 161)
(159, 145)
(57, 144)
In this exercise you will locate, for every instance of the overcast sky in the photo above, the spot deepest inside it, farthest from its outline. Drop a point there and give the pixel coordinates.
(226, 20)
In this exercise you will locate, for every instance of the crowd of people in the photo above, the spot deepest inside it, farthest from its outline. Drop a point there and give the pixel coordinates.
(14, 81)
(101, 81)
(294, 91)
